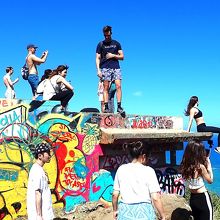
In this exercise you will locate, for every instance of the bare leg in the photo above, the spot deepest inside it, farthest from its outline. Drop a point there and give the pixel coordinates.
(118, 89)
(106, 87)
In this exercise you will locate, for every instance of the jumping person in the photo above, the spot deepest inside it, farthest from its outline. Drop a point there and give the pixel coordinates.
(194, 113)
(195, 168)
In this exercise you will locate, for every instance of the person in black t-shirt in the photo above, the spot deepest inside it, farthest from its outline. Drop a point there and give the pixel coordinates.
(108, 54)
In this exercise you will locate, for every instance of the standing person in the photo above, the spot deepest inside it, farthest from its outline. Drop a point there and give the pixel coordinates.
(193, 112)
(10, 92)
(138, 186)
(108, 54)
(32, 61)
(39, 201)
(195, 168)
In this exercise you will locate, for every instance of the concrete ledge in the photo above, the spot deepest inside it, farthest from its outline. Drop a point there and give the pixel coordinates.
(111, 135)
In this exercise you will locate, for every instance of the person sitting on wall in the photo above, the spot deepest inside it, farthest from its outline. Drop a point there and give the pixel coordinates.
(53, 89)
(194, 113)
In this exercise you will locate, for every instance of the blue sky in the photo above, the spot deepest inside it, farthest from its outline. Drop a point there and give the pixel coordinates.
(171, 48)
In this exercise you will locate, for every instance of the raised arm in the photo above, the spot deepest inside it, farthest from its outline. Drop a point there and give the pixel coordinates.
(207, 173)
(38, 60)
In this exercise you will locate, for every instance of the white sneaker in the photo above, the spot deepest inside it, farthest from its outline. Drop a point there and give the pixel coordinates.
(217, 150)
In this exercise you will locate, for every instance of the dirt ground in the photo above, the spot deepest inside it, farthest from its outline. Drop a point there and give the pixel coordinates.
(175, 207)
(87, 211)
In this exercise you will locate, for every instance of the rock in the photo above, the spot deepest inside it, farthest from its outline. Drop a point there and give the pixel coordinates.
(176, 207)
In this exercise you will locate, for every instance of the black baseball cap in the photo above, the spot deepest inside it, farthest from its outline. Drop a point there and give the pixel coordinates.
(42, 147)
(31, 46)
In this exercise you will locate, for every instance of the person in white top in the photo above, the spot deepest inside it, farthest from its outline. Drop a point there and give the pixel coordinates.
(10, 92)
(39, 200)
(56, 87)
(195, 168)
(138, 186)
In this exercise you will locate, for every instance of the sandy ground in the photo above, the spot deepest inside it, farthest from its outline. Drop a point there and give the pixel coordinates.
(87, 211)
(175, 207)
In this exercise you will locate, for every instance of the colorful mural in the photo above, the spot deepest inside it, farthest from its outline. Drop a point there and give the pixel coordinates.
(78, 170)
(74, 168)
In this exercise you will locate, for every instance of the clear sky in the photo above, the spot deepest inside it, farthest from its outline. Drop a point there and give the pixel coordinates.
(171, 48)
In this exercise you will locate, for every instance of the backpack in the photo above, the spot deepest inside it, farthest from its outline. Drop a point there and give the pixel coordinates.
(25, 71)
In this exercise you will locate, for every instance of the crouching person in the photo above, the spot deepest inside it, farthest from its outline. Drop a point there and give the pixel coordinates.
(56, 87)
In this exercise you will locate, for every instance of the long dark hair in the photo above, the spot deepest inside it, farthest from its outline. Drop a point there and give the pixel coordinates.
(193, 100)
(137, 149)
(193, 156)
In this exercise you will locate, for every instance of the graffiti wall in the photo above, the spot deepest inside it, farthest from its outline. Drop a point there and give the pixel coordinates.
(78, 171)
(74, 168)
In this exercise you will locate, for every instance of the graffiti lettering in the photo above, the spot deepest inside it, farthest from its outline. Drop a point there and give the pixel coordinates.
(9, 175)
(9, 118)
(113, 162)
(71, 179)
(171, 182)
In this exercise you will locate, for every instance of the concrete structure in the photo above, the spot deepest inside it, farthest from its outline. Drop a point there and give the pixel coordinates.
(87, 152)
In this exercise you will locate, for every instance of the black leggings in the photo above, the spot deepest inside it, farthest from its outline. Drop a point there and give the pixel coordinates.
(203, 128)
(63, 97)
(201, 206)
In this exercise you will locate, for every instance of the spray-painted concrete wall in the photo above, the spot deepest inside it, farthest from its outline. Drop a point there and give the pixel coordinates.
(81, 169)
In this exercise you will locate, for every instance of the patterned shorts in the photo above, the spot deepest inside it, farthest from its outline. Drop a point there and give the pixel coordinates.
(139, 211)
(111, 74)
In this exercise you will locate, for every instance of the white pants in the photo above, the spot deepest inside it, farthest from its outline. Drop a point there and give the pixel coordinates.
(10, 93)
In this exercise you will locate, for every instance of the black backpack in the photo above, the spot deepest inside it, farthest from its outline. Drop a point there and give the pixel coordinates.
(25, 70)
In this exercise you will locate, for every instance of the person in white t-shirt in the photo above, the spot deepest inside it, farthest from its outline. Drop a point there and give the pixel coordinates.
(138, 187)
(10, 92)
(39, 201)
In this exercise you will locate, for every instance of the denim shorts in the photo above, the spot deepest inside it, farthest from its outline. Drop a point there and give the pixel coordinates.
(111, 74)
(33, 80)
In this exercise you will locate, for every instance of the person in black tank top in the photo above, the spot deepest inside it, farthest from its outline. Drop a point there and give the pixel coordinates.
(193, 112)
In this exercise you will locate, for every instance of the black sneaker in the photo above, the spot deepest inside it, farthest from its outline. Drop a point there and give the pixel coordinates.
(121, 111)
(106, 110)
